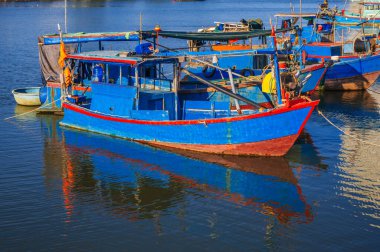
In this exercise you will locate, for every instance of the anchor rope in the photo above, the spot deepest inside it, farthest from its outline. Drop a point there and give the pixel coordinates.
(344, 132)
(370, 89)
(32, 110)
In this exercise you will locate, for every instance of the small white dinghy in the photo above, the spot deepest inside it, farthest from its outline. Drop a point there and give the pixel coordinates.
(29, 96)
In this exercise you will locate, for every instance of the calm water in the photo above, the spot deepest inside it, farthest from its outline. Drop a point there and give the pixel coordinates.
(67, 190)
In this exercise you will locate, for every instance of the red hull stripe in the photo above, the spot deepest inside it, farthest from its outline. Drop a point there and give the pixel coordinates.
(273, 147)
(87, 112)
(312, 68)
(58, 85)
(329, 57)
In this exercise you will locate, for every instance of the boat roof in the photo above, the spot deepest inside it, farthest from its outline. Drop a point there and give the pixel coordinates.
(122, 57)
(214, 36)
(83, 37)
(296, 15)
(217, 53)
(117, 57)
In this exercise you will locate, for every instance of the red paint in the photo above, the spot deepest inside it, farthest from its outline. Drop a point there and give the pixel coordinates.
(88, 36)
(313, 68)
(325, 44)
(273, 147)
(282, 65)
(53, 84)
(329, 57)
(58, 85)
(299, 105)
(267, 105)
(305, 121)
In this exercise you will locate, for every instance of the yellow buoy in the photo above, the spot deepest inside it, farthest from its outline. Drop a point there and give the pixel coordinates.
(269, 84)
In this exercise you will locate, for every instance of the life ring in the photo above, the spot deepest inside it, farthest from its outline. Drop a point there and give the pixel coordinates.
(208, 71)
(304, 57)
(247, 72)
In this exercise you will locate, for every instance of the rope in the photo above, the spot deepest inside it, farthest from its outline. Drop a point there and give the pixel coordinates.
(344, 132)
(32, 110)
(370, 89)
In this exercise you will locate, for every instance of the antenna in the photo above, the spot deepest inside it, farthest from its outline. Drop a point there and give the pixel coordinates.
(140, 35)
(65, 16)
(301, 14)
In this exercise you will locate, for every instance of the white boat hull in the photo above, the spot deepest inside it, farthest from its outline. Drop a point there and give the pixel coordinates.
(27, 96)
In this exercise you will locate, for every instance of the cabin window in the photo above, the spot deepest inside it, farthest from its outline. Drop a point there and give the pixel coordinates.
(156, 104)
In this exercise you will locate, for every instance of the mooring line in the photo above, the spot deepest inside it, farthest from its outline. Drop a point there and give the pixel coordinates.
(370, 89)
(32, 110)
(344, 132)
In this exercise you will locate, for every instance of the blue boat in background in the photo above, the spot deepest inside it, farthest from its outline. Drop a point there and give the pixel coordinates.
(355, 58)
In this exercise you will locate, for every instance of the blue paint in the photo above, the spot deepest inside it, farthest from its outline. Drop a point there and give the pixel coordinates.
(89, 37)
(235, 132)
(348, 68)
(109, 164)
(113, 99)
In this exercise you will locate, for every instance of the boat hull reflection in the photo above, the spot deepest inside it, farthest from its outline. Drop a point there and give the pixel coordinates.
(140, 181)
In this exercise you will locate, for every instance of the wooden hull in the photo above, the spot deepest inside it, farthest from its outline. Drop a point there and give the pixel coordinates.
(270, 133)
(351, 83)
(274, 147)
(353, 74)
(27, 96)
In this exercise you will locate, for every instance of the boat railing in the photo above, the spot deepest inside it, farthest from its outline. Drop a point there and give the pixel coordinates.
(154, 83)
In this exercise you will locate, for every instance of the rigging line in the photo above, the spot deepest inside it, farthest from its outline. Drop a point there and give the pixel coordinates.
(32, 110)
(370, 89)
(201, 61)
(344, 132)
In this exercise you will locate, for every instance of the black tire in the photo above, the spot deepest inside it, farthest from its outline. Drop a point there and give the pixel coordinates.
(208, 71)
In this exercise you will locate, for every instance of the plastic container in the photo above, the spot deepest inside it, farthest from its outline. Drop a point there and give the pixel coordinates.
(144, 48)
(282, 65)
(97, 74)
(335, 58)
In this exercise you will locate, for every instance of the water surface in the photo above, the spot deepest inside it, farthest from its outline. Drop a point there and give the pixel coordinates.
(68, 190)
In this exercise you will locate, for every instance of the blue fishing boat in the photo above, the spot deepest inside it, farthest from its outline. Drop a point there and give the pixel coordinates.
(134, 99)
(354, 56)
(248, 69)
(365, 13)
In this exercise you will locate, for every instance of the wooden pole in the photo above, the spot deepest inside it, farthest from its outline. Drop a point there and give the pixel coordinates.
(222, 89)
(61, 75)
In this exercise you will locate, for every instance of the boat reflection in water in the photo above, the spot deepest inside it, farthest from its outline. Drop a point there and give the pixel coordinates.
(140, 182)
